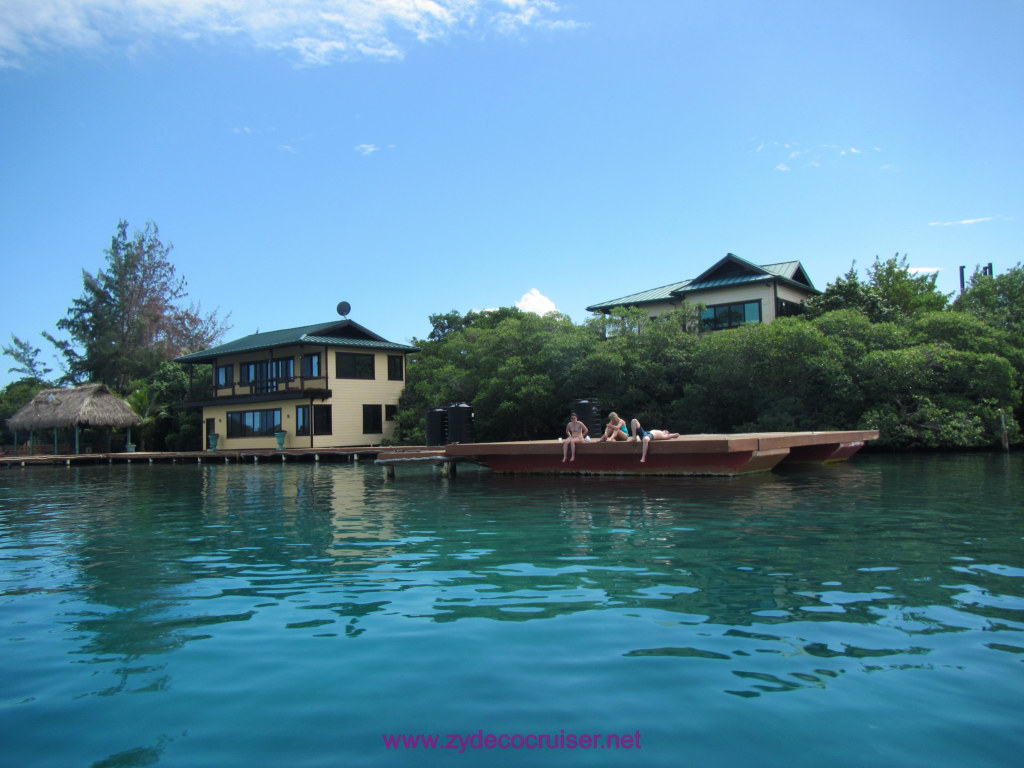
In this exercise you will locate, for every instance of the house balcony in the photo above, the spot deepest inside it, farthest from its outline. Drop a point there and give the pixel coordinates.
(266, 390)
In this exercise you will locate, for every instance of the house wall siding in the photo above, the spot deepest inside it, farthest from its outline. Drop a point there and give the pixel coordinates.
(348, 396)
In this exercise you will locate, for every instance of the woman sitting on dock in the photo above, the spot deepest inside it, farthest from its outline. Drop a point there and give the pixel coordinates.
(576, 431)
(646, 435)
(616, 429)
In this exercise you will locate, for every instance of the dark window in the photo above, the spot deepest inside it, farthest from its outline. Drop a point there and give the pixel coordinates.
(372, 424)
(322, 423)
(247, 372)
(354, 366)
(721, 316)
(264, 375)
(311, 366)
(395, 368)
(390, 411)
(254, 423)
(225, 375)
(283, 369)
(785, 308)
(321, 420)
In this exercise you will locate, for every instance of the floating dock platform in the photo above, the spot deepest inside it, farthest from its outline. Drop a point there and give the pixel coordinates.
(735, 454)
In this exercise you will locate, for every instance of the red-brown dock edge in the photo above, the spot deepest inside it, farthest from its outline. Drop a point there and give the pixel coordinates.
(735, 454)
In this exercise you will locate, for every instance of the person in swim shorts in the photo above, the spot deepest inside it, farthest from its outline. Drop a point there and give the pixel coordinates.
(645, 436)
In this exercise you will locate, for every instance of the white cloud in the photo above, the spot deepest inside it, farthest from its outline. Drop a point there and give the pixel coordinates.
(313, 31)
(963, 221)
(794, 155)
(366, 149)
(536, 302)
(923, 270)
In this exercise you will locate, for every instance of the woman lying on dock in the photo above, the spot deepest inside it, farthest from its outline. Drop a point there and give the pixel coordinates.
(616, 429)
(646, 435)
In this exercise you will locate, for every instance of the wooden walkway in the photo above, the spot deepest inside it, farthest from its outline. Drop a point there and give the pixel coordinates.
(250, 456)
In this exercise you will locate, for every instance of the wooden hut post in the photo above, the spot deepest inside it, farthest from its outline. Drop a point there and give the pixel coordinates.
(54, 441)
(76, 440)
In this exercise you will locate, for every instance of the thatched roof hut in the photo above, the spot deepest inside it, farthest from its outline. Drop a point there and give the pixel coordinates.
(93, 405)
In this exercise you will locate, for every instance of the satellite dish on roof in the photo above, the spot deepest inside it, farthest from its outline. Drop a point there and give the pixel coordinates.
(344, 308)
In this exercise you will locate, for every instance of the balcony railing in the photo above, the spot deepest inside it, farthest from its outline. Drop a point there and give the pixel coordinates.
(295, 386)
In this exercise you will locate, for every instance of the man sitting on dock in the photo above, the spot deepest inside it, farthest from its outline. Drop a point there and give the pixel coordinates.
(646, 435)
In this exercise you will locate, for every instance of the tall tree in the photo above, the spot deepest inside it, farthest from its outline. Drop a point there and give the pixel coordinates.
(27, 358)
(132, 314)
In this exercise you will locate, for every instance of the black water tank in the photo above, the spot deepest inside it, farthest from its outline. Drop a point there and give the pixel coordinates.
(460, 423)
(437, 426)
(589, 412)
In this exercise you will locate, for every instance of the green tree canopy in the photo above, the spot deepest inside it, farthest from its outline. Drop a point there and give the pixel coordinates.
(132, 314)
(997, 300)
(892, 292)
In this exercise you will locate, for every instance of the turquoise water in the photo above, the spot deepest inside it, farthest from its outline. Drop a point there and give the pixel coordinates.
(866, 614)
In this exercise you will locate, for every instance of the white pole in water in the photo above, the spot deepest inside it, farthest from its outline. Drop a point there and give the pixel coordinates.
(1002, 431)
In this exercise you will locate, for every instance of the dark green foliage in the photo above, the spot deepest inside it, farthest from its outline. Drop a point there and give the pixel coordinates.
(997, 300)
(884, 354)
(13, 398)
(891, 293)
(787, 375)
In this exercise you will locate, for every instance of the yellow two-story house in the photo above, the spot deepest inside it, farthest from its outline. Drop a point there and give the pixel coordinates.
(325, 385)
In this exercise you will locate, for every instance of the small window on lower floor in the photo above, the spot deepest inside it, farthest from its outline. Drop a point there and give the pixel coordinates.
(372, 422)
(390, 411)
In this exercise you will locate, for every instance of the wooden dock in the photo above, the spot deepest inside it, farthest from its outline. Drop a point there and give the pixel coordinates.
(248, 455)
(728, 454)
(733, 454)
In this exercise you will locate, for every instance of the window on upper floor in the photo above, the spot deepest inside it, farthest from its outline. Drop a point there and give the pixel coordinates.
(311, 366)
(351, 365)
(396, 367)
(721, 316)
(224, 375)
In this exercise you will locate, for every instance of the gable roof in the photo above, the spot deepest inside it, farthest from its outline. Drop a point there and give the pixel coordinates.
(93, 405)
(728, 271)
(336, 333)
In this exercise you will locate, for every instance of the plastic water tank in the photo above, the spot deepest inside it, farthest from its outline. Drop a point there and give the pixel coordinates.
(437, 426)
(589, 412)
(460, 423)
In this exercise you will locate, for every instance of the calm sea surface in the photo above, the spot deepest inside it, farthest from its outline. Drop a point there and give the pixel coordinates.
(867, 614)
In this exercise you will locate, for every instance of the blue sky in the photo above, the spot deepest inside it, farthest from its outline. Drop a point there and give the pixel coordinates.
(417, 156)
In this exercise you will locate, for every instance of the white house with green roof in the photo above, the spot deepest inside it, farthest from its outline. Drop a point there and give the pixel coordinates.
(733, 292)
(325, 385)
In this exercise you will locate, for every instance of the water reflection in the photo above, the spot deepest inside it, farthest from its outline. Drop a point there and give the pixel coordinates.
(786, 579)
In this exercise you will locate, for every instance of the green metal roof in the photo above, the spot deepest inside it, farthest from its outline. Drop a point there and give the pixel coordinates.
(728, 271)
(336, 333)
(664, 293)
